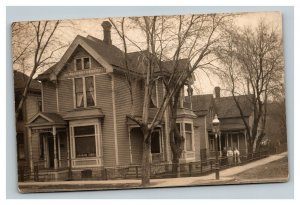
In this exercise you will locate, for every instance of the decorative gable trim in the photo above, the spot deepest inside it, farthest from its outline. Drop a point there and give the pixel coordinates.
(40, 116)
(79, 41)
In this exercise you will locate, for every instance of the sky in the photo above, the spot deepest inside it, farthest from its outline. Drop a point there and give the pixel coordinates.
(205, 83)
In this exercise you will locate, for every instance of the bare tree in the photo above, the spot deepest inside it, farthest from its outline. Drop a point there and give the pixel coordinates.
(34, 47)
(252, 64)
(168, 39)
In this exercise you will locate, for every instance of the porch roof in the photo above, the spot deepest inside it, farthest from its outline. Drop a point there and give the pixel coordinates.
(84, 114)
(229, 127)
(46, 119)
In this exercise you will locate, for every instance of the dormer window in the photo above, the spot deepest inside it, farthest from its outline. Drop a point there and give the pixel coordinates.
(82, 63)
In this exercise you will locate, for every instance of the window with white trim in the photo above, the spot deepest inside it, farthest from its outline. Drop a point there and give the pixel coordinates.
(85, 142)
(186, 129)
(84, 91)
(82, 63)
(188, 136)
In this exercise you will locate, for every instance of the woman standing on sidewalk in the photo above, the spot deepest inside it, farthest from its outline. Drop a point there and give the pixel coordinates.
(230, 156)
(236, 154)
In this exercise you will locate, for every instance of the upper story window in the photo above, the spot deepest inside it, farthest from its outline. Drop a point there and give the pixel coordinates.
(82, 63)
(84, 92)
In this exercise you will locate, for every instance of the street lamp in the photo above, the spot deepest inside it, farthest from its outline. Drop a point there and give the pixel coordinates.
(216, 130)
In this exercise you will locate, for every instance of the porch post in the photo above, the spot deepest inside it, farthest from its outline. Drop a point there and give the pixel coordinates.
(220, 144)
(238, 141)
(30, 149)
(68, 146)
(59, 154)
(130, 151)
(54, 148)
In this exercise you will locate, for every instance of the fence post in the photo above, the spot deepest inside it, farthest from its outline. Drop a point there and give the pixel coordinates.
(105, 173)
(136, 171)
(190, 168)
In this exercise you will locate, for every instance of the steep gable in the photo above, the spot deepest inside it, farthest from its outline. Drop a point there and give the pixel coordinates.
(84, 43)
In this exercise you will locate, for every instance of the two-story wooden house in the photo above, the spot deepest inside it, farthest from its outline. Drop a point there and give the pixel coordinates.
(85, 103)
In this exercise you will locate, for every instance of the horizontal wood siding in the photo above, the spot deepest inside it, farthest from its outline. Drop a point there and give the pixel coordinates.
(197, 143)
(49, 97)
(200, 138)
(138, 97)
(136, 146)
(63, 148)
(104, 101)
(35, 146)
(65, 96)
(160, 91)
(32, 106)
(123, 107)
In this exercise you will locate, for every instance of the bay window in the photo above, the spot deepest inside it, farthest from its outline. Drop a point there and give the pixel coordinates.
(186, 130)
(188, 137)
(84, 92)
(85, 143)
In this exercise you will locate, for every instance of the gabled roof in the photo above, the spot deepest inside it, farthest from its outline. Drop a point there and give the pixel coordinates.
(226, 106)
(109, 56)
(20, 80)
(84, 114)
(201, 103)
(46, 119)
(89, 46)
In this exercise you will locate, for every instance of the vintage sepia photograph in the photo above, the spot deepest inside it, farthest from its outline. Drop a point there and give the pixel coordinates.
(150, 101)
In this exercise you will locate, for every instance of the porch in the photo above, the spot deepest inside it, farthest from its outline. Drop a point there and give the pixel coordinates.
(48, 146)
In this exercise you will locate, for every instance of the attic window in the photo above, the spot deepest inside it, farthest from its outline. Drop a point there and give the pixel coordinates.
(82, 63)
(86, 63)
(78, 64)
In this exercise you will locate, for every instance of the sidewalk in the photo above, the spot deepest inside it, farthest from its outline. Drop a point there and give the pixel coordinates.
(226, 176)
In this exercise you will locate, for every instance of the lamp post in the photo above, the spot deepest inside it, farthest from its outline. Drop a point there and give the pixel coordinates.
(216, 129)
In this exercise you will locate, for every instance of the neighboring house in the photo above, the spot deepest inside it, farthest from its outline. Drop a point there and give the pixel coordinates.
(85, 104)
(232, 127)
(31, 106)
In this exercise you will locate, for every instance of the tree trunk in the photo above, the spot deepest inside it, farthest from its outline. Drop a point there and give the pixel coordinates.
(176, 165)
(146, 166)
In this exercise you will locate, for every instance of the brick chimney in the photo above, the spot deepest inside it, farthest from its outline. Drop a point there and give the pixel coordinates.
(106, 25)
(217, 91)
